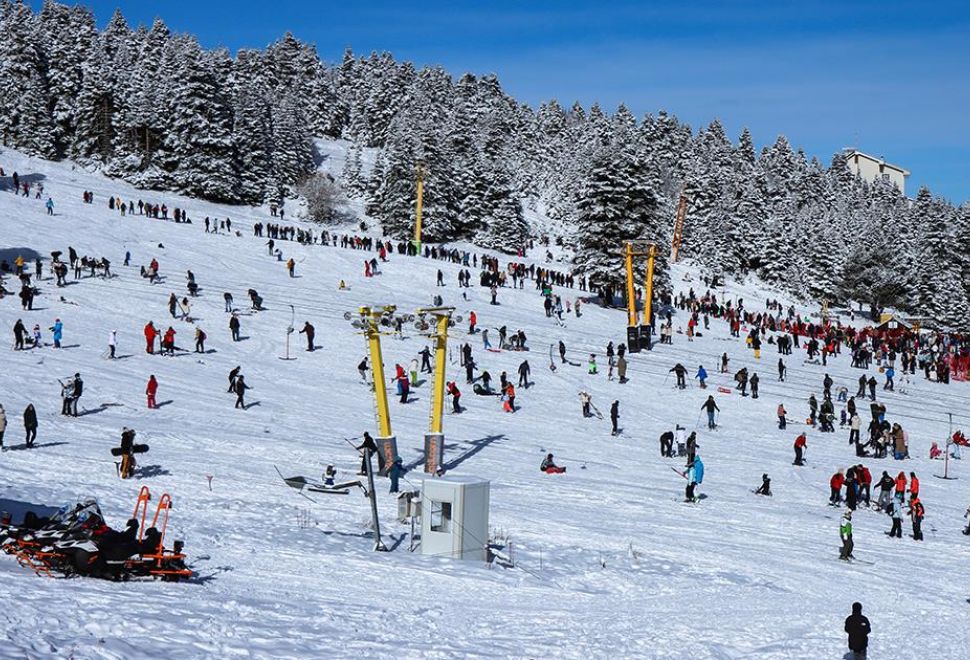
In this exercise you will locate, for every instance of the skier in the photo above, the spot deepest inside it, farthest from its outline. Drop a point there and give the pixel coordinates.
(781, 370)
(895, 512)
(30, 424)
(916, 512)
(800, 444)
(524, 373)
(150, 391)
(701, 376)
(200, 338)
(845, 533)
(562, 351)
(765, 487)
(614, 416)
(112, 344)
(885, 484)
(813, 409)
(681, 372)
(291, 266)
(472, 320)
(586, 401)
(913, 486)
(858, 628)
(362, 369)
(666, 444)
(711, 407)
(309, 331)
(782, 419)
(695, 476)
(168, 341)
(691, 447)
(240, 387)
(232, 379)
(549, 466)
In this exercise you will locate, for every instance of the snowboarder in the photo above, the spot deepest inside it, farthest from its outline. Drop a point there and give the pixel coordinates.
(858, 628)
(309, 331)
(695, 476)
(150, 391)
(549, 466)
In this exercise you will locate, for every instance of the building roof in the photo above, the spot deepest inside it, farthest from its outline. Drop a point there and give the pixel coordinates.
(853, 152)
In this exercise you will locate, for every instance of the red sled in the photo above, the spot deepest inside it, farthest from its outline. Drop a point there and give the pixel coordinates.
(724, 390)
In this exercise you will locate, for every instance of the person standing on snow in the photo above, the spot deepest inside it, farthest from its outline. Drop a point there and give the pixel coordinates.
(112, 344)
(58, 330)
(701, 376)
(800, 444)
(916, 513)
(240, 387)
(200, 337)
(309, 331)
(150, 391)
(710, 406)
(895, 511)
(858, 628)
(234, 326)
(782, 420)
(3, 425)
(524, 372)
(845, 533)
(614, 416)
(30, 424)
(395, 472)
(695, 476)
(150, 334)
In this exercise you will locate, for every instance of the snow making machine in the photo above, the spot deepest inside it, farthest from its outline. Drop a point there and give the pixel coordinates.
(76, 541)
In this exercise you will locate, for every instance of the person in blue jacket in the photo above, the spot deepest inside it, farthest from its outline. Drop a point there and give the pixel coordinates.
(58, 330)
(695, 476)
(701, 376)
(397, 469)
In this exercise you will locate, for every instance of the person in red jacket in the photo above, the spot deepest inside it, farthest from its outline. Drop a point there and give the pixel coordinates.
(150, 334)
(835, 483)
(800, 443)
(168, 342)
(472, 321)
(150, 391)
(901, 487)
(865, 483)
(913, 485)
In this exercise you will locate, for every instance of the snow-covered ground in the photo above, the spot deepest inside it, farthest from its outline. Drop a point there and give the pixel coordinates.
(610, 561)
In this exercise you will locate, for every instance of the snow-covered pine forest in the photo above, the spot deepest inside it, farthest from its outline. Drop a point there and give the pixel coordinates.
(158, 110)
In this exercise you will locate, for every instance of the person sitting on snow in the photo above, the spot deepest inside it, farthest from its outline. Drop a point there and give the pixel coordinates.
(765, 488)
(549, 466)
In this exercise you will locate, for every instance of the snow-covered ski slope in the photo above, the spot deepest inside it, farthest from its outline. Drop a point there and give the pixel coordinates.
(609, 561)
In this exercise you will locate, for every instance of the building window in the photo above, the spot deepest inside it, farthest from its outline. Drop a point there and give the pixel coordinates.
(440, 516)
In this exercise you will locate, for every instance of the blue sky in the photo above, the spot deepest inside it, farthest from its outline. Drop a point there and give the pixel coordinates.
(890, 78)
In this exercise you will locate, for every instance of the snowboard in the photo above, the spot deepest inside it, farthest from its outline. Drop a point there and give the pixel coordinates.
(135, 449)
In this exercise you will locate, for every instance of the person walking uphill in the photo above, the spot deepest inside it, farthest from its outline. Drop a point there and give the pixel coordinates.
(858, 628)
(710, 406)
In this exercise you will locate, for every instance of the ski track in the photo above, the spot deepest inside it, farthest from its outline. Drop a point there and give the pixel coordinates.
(610, 562)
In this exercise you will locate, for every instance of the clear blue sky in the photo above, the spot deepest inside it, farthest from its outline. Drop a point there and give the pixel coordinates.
(890, 77)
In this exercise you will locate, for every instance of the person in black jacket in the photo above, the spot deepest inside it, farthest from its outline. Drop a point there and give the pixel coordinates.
(858, 628)
(615, 416)
(30, 424)
(240, 389)
(366, 448)
(309, 331)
